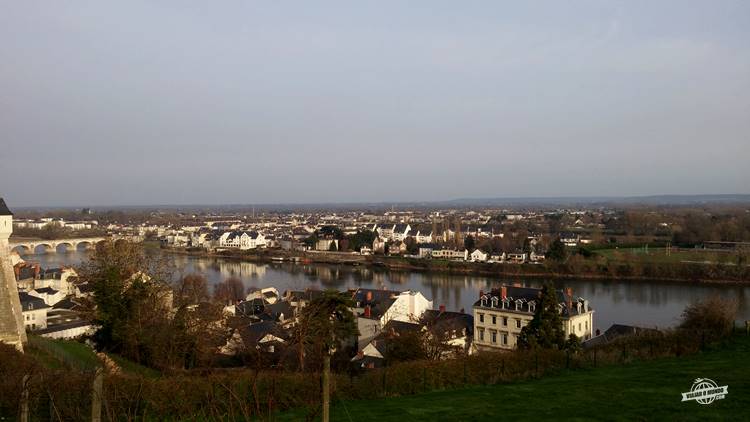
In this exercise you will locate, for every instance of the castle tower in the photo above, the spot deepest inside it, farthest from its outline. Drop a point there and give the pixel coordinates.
(12, 329)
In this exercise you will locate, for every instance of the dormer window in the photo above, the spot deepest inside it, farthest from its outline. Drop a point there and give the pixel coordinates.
(494, 301)
(518, 304)
(532, 306)
(505, 304)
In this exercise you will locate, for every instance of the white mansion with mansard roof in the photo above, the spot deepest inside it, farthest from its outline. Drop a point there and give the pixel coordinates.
(500, 315)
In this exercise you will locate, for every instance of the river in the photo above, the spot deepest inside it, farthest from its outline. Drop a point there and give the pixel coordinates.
(625, 302)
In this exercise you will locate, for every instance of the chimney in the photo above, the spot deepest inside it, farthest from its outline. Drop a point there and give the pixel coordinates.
(504, 292)
(462, 310)
(367, 311)
(481, 293)
(442, 308)
(569, 297)
(369, 296)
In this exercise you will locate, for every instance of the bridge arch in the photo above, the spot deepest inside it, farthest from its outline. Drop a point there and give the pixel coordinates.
(43, 248)
(23, 249)
(84, 245)
(65, 247)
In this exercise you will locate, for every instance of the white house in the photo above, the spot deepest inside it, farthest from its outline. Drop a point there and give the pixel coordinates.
(49, 295)
(450, 254)
(479, 256)
(34, 311)
(242, 240)
(423, 236)
(374, 308)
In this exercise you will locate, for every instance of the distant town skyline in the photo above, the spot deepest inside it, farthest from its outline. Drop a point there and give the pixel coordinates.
(261, 103)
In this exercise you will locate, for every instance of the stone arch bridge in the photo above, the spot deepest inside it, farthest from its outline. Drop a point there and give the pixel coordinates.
(30, 246)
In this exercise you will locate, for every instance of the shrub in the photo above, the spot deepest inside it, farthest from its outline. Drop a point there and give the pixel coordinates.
(713, 316)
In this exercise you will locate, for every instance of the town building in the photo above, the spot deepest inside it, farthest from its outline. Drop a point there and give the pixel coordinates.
(500, 315)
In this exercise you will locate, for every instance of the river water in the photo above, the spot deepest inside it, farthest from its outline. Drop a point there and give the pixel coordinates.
(624, 302)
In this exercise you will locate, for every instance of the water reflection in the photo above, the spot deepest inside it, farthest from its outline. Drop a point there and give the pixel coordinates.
(614, 301)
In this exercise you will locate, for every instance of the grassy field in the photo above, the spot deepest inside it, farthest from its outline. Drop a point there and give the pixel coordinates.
(639, 391)
(59, 353)
(659, 255)
(63, 352)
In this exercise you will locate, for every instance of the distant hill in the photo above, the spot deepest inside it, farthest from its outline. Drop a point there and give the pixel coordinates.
(561, 201)
(605, 200)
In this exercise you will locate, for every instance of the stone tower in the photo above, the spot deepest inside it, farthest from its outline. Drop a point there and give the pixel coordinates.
(12, 329)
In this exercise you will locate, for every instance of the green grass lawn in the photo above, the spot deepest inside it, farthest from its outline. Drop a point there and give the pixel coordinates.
(639, 391)
(659, 255)
(59, 353)
(72, 353)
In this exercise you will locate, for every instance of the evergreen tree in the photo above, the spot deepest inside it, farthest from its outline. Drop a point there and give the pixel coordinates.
(469, 243)
(557, 251)
(546, 329)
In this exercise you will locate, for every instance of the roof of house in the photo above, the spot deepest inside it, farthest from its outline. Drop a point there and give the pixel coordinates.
(253, 333)
(250, 307)
(4, 208)
(379, 300)
(31, 303)
(529, 294)
(46, 290)
(67, 303)
(441, 322)
(616, 331)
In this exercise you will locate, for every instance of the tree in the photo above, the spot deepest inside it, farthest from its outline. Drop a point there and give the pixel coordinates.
(192, 289)
(469, 242)
(713, 315)
(405, 346)
(229, 291)
(557, 251)
(132, 305)
(361, 238)
(324, 324)
(545, 330)
(412, 247)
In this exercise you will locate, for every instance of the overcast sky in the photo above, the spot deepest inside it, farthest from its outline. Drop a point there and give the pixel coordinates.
(265, 102)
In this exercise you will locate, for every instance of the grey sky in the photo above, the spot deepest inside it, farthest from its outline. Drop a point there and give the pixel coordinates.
(259, 102)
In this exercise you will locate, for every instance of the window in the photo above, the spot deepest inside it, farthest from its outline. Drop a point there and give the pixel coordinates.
(587, 325)
(494, 319)
(494, 336)
(579, 327)
(481, 317)
(481, 335)
(518, 323)
(505, 338)
(505, 321)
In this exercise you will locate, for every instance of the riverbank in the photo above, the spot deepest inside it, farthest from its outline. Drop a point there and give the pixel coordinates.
(598, 268)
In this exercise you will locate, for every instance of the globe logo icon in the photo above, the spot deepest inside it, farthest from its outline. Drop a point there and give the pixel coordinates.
(705, 391)
(703, 385)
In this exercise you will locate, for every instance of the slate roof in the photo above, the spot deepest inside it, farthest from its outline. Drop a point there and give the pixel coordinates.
(445, 322)
(4, 208)
(380, 302)
(31, 303)
(616, 331)
(528, 294)
(253, 333)
(46, 290)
